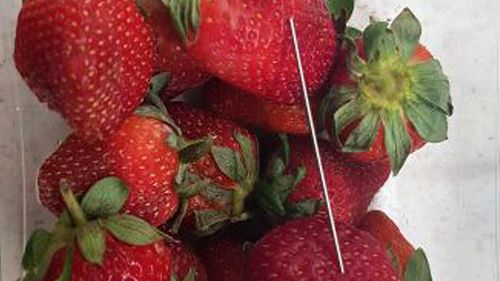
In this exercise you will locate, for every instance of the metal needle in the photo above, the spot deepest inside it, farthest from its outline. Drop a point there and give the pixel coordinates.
(316, 149)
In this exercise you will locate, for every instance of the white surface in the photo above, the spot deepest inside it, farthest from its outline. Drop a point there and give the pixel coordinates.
(445, 197)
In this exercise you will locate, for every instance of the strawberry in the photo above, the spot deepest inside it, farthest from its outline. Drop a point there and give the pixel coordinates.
(185, 264)
(233, 103)
(91, 61)
(225, 258)
(216, 185)
(138, 153)
(293, 186)
(303, 250)
(93, 241)
(185, 72)
(81, 164)
(390, 96)
(248, 43)
(405, 257)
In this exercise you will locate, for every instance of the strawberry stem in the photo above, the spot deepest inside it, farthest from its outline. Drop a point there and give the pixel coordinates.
(74, 209)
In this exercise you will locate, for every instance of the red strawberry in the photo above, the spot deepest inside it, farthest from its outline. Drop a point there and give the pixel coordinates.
(380, 226)
(404, 255)
(225, 259)
(89, 60)
(293, 187)
(218, 183)
(92, 241)
(303, 250)
(149, 263)
(79, 163)
(233, 103)
(185, 264)
(138, 153)
(185, 72)
(248, 43)
(389, 96)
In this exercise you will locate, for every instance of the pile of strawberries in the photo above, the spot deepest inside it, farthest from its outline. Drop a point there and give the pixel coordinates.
(224, 187)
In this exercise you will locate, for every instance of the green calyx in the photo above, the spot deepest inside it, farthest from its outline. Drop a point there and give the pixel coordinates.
(393, 91)
(240, 166)
(84, 225)
(185, 15)
(418, 268)
(273, 190)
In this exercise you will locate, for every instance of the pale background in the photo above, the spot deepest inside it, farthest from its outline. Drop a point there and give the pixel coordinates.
(445, 198)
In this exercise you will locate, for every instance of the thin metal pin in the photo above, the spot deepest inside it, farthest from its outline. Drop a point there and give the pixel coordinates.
(316, 148)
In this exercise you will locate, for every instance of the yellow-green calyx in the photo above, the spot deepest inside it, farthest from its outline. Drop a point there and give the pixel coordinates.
(386, 84)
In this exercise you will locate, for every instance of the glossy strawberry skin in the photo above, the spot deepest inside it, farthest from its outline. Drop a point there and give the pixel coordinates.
(303, 250)
(380, 226)
(185, 72)
(121, 262)
(184, 260)
(248, 44)
(76, 161)
(91, 61)
(232, 103)
(224, 258)
(139, 154)
(352, 185)
(341, 78)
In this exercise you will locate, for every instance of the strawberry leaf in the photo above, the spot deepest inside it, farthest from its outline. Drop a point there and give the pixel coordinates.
(195, 150)
(346, 114)
(304, 208)
(418, 268)
(186, 16)
(432, 85)
(226, 159)
(35, 249)
(430, 123)
(380, 42)
(91, 242)
(105, 198)
(248, 153)
(353, 33)
(397, 140)
(68, 264)
(210, 221)
(217, 194)
(408, 30)
(132, 230)
(341, 10)
(363, 136)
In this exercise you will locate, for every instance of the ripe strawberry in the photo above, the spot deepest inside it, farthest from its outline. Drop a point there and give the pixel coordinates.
(217, 184)
(92, 241)
(303, 250)
(390, 96)
(225, 259)
(380, 226)
(293, 186)
(89, 60)
(138, 153)
(248, 43)
(233, 103)
(404, 255)
(185, 72)
(185, 264)
(79, 163)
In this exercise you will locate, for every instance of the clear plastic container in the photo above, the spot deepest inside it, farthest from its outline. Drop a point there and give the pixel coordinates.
(445, 199)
